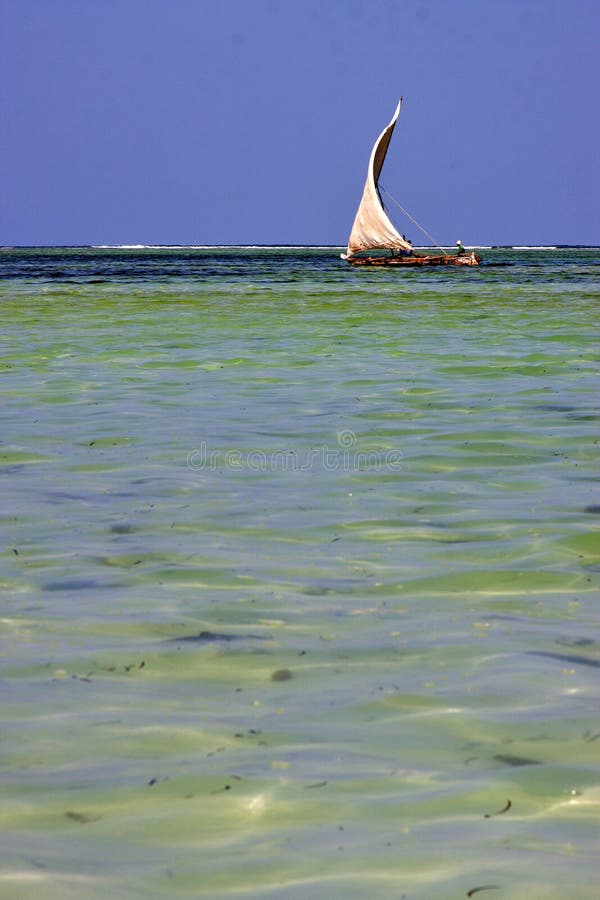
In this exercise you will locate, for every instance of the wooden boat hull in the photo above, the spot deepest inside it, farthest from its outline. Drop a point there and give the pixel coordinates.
(468, 259)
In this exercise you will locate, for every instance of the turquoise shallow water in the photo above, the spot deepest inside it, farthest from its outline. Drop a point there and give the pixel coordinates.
(299, 576)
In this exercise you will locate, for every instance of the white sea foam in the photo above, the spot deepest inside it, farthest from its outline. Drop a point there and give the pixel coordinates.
(332, 247)
(215, 247)
(452, 247)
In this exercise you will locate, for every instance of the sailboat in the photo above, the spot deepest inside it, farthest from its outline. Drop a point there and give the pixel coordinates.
(374, 241)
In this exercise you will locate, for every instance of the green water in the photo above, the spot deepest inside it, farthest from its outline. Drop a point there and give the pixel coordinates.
(299, 576)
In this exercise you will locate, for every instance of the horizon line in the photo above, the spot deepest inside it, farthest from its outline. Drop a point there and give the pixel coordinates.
(555, 246)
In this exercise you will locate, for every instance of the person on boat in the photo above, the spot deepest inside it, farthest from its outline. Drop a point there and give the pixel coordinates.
(407, 252)
(460, 250)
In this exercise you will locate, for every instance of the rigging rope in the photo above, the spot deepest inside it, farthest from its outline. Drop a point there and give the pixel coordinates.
(414, 221)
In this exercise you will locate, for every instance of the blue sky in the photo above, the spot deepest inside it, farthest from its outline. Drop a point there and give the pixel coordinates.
(251, 121)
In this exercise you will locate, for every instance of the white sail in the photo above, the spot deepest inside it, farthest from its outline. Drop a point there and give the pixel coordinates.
(372, 229)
